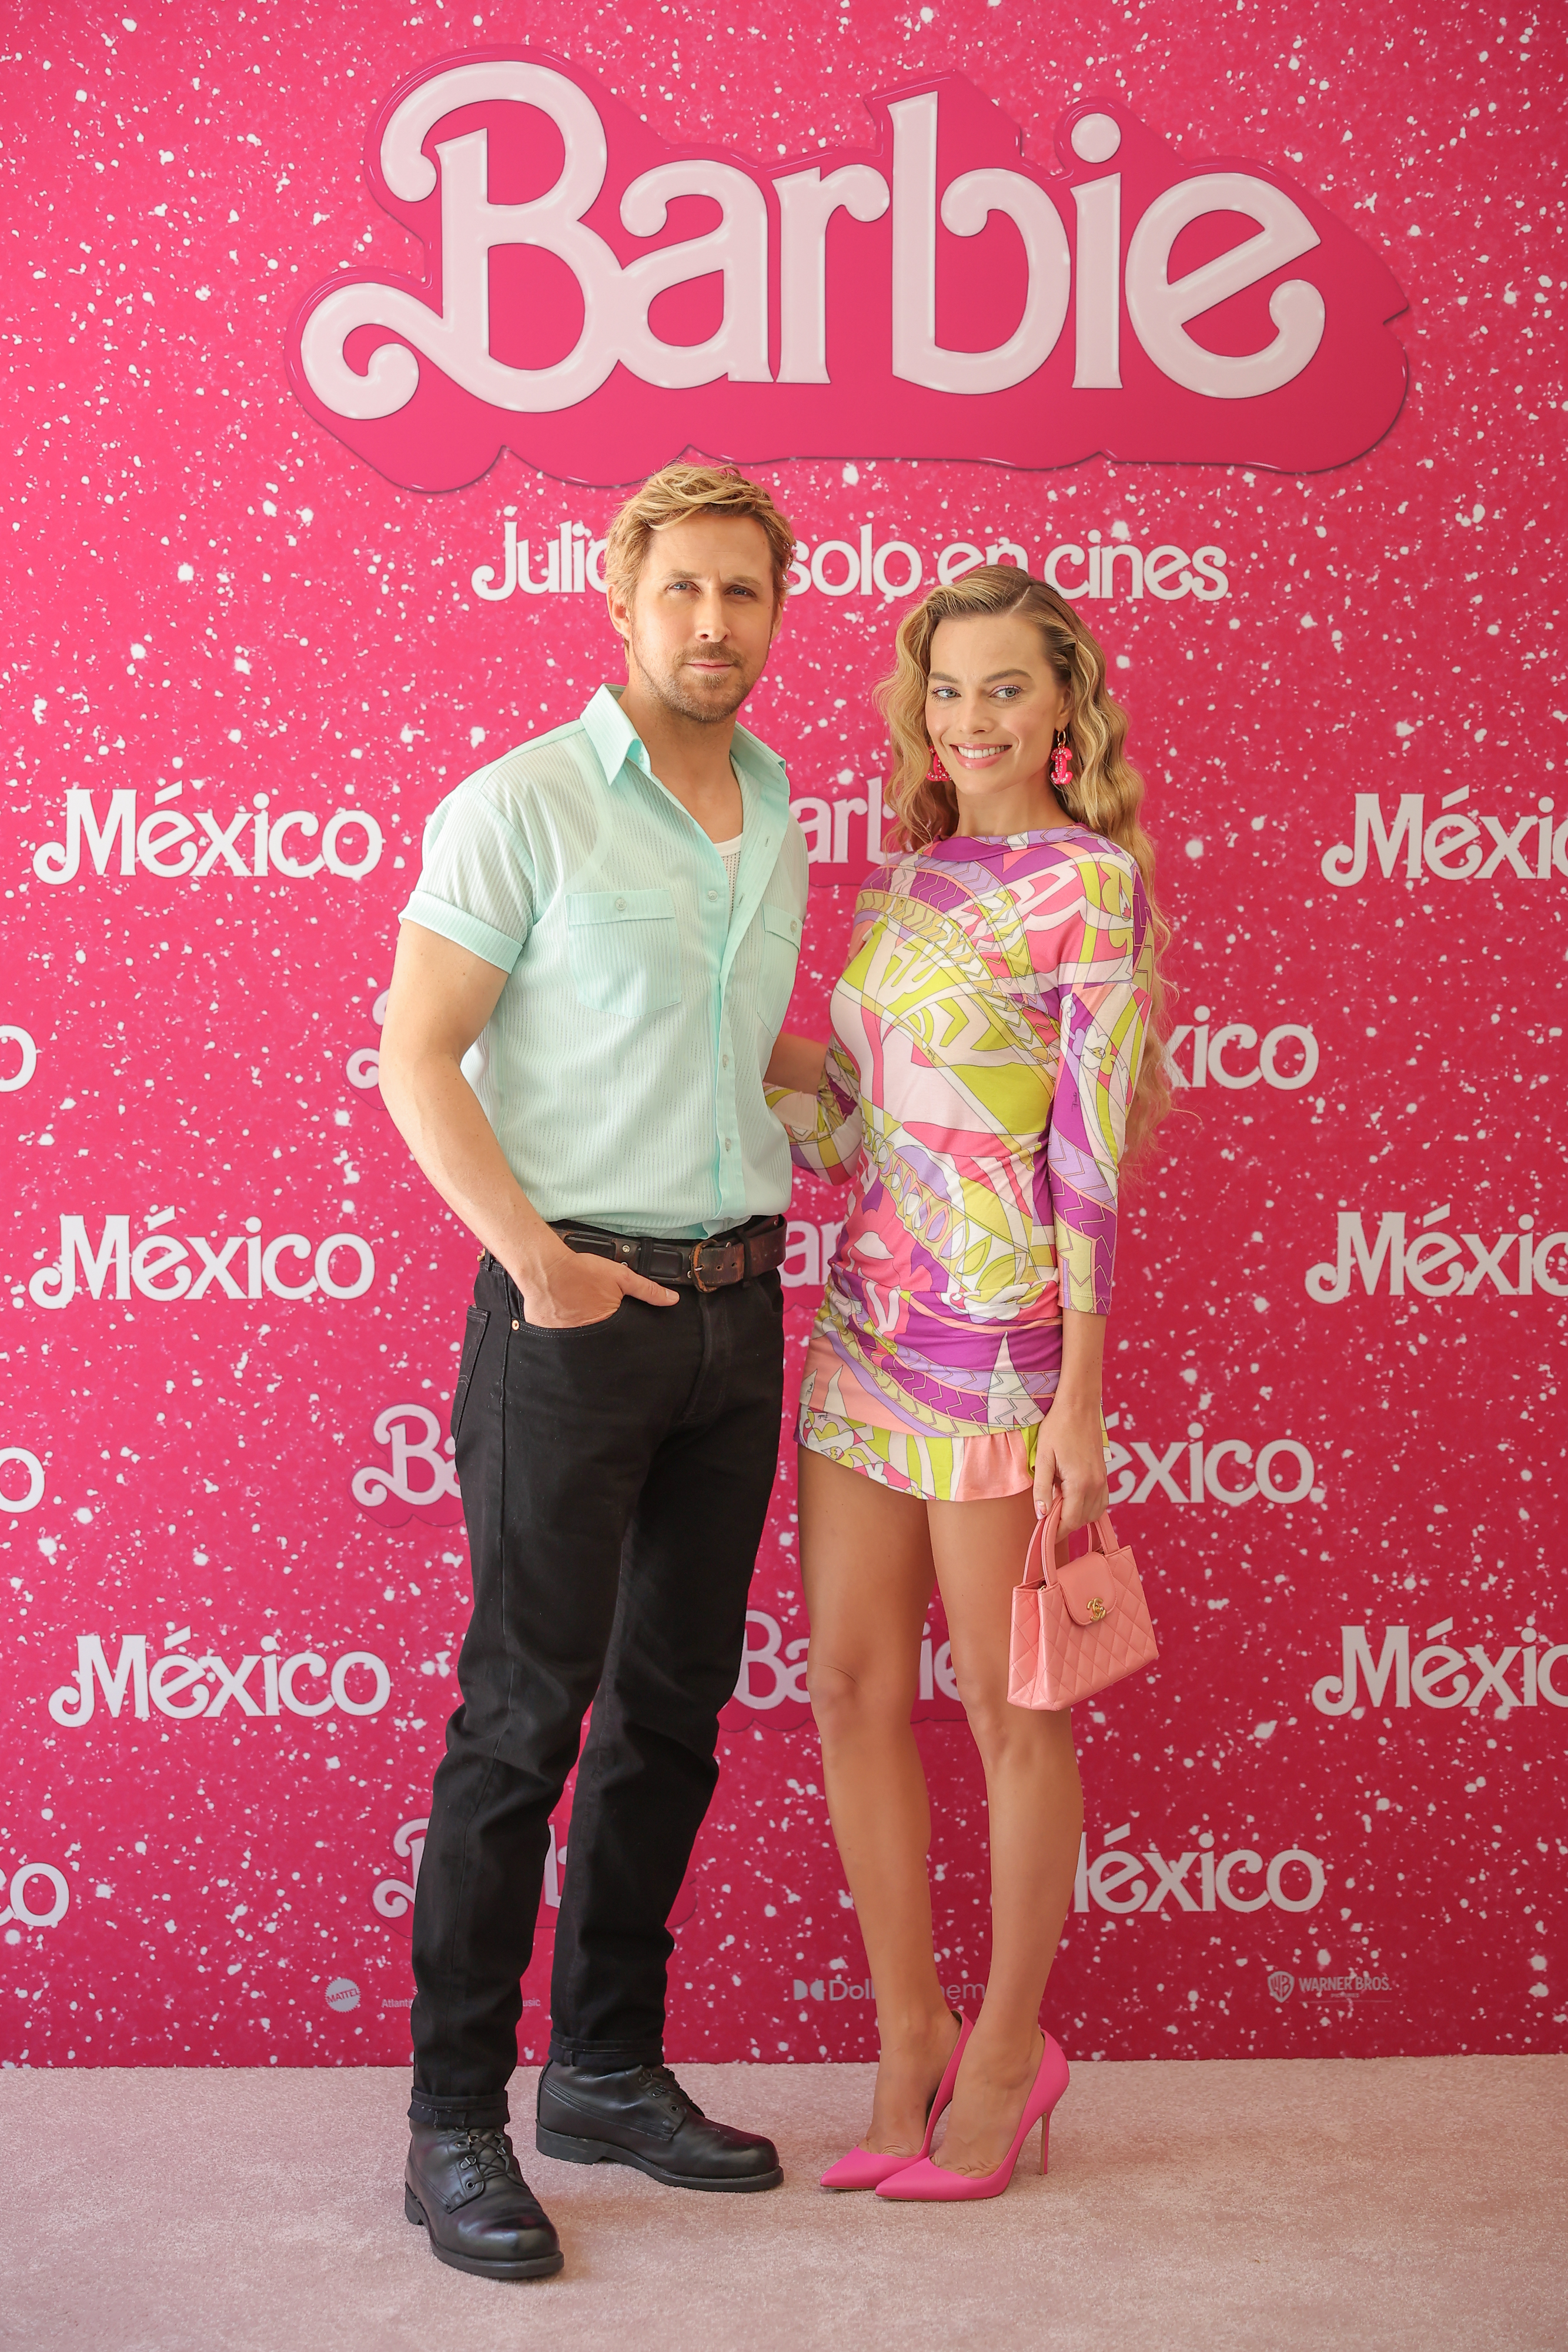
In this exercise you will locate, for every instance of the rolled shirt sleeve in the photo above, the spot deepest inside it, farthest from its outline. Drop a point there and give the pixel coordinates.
(475, 887)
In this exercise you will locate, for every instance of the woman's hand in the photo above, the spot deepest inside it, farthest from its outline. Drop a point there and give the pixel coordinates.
(1072, 1450)
(1070, 1454)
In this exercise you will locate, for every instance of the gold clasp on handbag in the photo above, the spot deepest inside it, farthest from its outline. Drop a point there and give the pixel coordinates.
(1096, 1609)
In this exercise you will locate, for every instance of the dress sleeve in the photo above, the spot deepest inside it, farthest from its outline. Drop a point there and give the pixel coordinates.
(825, 1131)
(1104, 956)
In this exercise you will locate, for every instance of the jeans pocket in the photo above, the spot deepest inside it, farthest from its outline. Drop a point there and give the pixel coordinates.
(577, 1330)
(624, 950)
(473, 1338)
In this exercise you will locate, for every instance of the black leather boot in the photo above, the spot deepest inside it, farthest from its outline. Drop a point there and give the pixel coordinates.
(644, 2117)
(465, 2189)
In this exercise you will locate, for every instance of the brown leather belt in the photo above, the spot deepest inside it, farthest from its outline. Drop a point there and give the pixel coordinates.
(739, 1257)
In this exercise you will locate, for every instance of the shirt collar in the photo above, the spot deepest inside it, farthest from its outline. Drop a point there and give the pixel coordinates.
(612, 735)
(615, 743)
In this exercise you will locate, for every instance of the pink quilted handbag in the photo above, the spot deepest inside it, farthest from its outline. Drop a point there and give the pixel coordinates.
(1078, 1624)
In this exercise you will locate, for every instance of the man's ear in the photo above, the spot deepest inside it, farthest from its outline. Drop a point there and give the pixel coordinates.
(621, 622)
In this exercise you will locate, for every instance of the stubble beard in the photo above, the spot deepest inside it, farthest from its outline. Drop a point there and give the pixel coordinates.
(687, 700)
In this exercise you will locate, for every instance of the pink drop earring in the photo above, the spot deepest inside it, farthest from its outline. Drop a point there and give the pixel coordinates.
(936, 773)
(1060, 761)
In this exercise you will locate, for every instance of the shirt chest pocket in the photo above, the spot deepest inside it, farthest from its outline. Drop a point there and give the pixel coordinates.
(780, 952)
(624, 950)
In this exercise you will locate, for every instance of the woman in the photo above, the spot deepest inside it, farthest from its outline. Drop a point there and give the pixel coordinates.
(985, 1074)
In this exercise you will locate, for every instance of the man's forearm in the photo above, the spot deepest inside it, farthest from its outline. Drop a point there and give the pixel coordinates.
(796, 1063)
(439, 1117)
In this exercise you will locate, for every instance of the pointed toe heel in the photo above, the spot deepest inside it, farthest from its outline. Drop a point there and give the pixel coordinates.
(868, 2167)
(864, 2168)
(925, 2183)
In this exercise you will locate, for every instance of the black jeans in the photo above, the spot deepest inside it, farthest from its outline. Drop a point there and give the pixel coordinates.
(615, 1481)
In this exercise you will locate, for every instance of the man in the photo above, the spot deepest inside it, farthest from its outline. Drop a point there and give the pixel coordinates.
(603, 938)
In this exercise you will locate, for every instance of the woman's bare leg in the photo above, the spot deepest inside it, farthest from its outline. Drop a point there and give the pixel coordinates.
(1036, 1806)
(865, 1556)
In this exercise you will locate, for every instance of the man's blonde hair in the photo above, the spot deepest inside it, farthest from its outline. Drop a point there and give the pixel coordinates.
(677, 493)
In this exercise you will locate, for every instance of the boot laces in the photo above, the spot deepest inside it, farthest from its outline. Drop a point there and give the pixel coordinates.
(490, 2154)
(660, 2080)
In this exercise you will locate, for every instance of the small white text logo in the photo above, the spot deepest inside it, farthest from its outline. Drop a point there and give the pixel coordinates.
(168, 843)
(1232, 1054)
(1440, 1674)
(1221, 1470)
(183, 1684)
(241, 1266)
(1516, 1262)
(1453, 846)
(1122, 1880)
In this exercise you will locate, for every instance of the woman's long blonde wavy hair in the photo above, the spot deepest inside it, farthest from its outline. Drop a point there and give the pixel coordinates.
(1105, 795)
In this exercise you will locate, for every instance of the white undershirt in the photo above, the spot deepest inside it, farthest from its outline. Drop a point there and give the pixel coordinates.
(730, 853)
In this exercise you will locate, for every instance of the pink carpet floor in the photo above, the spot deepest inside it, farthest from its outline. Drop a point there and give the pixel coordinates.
(1409, 2203)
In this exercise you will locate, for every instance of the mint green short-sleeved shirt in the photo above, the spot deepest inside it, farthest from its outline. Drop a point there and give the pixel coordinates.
(622, 1068)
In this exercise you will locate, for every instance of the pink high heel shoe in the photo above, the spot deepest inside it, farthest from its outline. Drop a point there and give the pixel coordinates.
(924, 2182)
(865, 2167)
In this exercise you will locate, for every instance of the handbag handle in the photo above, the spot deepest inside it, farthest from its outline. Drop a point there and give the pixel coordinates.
(1042, 1552)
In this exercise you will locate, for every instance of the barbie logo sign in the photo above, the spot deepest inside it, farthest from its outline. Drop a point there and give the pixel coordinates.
(597, 302)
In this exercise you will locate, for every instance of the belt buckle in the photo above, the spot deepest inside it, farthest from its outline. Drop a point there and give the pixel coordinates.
(732, 1258)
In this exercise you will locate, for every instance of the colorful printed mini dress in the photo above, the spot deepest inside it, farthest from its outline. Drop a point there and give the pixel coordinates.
(986, 1038)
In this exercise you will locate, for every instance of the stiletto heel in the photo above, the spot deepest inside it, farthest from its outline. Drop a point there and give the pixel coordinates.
(924, 2182)
(867, 2167)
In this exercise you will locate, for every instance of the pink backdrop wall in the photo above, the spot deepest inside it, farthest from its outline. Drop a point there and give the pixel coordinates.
(1331, 1819)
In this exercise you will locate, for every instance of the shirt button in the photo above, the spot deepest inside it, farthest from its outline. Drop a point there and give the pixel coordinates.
(621, 906)
(724, 1063)
(712, 894)
(726, 1142)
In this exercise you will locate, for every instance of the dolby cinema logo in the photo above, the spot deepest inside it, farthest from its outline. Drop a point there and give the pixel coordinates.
(597, 301)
